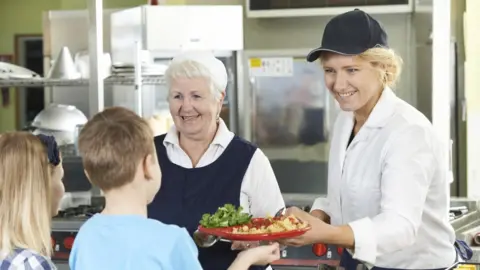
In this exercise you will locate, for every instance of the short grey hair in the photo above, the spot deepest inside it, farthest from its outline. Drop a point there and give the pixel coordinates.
(199, 65)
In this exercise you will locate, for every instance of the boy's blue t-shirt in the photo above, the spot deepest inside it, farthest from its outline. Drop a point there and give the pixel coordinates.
(132, 242)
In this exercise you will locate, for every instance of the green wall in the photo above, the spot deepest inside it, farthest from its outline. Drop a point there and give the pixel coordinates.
(25, 17)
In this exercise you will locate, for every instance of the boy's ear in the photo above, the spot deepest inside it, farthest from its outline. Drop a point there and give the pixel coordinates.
(147, 166)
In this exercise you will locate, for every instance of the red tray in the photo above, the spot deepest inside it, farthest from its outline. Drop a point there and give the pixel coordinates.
(226, 232)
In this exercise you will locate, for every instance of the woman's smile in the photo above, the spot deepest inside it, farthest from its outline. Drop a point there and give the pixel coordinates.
(346, 94)
(346, 97)
(189, 118)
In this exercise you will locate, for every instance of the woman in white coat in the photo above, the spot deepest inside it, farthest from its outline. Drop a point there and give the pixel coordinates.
(388, 190)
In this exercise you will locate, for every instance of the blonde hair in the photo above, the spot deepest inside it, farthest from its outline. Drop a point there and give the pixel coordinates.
(386, 62)
(112, 144)
(25, 194)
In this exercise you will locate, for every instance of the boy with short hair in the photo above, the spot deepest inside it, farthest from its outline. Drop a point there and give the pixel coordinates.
(120, 158)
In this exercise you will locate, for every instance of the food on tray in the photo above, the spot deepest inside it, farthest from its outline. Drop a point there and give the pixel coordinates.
(272, 225)
(225, 216)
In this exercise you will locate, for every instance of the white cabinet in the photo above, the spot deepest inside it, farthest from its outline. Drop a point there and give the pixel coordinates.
(165, 27)
(168, 29)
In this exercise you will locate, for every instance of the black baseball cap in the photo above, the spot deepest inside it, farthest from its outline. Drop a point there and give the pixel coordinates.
(350, 33)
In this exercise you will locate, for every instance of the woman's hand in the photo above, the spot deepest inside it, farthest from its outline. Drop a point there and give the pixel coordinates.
(312, 236)
(241, 245)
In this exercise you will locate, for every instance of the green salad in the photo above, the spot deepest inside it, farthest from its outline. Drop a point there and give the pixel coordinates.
(225, 216)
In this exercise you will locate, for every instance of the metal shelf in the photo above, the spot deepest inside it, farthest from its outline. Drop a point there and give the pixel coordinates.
(41, 82)
(113, 80)
(146, 80)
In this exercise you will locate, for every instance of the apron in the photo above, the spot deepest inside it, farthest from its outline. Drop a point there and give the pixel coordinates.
(186, 194)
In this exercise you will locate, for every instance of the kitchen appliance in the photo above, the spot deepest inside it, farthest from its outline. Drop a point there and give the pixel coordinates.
(76, 208)
(466, 222)
(456, 212)
(65, 227)
(310, 256)
(60, 121)
(288, 112)
(64, 123)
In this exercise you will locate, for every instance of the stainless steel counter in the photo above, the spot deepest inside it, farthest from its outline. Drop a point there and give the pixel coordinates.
(467, 226)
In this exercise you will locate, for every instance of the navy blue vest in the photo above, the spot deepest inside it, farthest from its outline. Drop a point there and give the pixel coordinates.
(186, 194)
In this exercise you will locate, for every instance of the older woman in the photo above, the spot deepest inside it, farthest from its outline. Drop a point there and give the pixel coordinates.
(388, 190)
(204, 165)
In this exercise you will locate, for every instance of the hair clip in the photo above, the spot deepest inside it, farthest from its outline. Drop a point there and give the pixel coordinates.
(52, 148)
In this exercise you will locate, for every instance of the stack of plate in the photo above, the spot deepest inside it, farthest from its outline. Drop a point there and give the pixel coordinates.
(128, 70)
(11, 71)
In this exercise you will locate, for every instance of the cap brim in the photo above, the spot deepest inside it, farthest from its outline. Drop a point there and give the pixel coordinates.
(315, 54)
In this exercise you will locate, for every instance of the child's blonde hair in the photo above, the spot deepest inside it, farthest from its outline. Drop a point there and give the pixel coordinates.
(25, 194)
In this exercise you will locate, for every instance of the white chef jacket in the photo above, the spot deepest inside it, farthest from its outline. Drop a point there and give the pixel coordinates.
(391, 186)
(260, 194)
